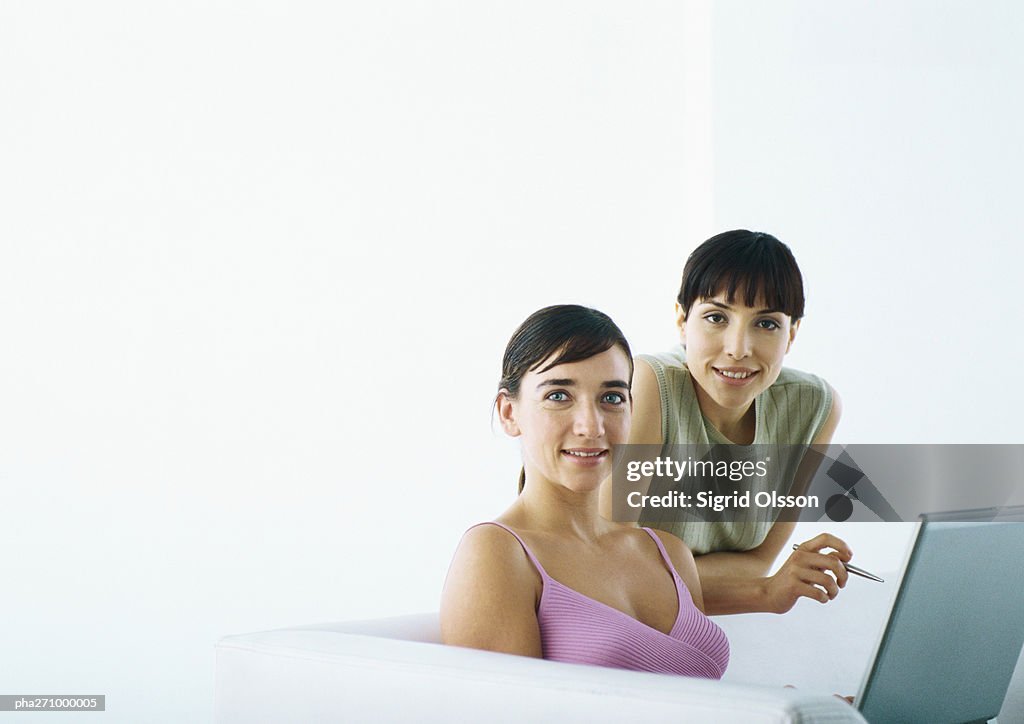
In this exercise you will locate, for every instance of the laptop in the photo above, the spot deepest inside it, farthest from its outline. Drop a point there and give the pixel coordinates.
(956, 627)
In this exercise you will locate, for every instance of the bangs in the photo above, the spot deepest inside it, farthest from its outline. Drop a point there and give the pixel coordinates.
(753, 289)
(754, 268)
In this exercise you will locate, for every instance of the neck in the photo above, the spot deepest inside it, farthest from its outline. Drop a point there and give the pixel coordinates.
(554, 508)
(737, 425)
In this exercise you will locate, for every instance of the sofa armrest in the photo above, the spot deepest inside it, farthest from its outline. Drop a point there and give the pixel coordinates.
(322, 675)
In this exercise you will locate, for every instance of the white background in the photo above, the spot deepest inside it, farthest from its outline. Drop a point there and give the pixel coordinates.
(258, 263)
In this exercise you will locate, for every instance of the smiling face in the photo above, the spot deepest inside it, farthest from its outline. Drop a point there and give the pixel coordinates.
(569, 417)
(734, 352)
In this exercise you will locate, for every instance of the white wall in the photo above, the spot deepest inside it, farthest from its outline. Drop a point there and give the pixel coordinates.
(883, 141)
(258, 263)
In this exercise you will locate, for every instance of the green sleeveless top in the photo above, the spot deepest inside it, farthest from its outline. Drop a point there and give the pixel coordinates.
(790, 412)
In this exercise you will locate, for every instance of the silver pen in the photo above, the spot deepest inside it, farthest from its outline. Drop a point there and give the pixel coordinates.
(852, 569)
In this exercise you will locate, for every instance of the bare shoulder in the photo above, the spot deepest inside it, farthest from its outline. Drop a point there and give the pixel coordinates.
(682, 558)
(489, 551)
(678, 551)
(489, 536)
(837, 403)
(490, 594)
(645, 381)
(646, 428)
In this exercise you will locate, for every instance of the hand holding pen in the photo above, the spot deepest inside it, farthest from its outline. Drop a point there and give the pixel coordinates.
(808, 573)
(852, 568)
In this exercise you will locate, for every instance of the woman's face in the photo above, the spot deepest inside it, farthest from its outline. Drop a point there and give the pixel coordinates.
(569, 417)
(734, 352)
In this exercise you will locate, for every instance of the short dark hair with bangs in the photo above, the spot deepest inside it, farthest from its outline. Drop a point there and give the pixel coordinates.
(562, 333)
(749, 262)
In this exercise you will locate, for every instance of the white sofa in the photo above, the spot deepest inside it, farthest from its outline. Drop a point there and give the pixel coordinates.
(396, 670)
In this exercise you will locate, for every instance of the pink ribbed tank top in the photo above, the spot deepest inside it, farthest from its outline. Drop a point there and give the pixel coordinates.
(580, 630)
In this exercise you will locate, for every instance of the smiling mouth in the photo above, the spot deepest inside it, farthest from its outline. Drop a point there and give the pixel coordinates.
(735, 375)
(586, 455)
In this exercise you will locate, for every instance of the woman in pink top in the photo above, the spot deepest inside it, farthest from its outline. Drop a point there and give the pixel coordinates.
(550, 577)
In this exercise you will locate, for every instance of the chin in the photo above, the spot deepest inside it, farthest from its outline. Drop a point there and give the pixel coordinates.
(735, 401)
(587, 482)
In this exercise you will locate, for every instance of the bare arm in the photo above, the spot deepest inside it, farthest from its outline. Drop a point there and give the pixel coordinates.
(646, 427)
(490, 594)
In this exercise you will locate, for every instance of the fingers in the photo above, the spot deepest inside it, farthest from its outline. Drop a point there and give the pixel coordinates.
(806, 559)
(816, 586)
(814, 593)
(807, 573)
(809, 590)
(827, 540)
(842, 575)
(825, 581)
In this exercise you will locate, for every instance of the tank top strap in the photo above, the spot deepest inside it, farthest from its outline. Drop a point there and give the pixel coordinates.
(664, 554)
(533, 559)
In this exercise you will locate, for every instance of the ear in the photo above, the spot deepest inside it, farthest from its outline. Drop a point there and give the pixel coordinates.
(507, 414)
(792, 333)
(681, 322)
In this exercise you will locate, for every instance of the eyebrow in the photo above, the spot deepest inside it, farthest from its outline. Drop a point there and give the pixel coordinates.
(568, 382)
(726, 306)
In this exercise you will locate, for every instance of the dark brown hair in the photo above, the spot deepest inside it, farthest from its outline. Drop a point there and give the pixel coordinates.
(757, 263)
(562, 333)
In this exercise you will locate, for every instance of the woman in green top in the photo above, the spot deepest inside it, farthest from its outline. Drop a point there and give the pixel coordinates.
(738, 312)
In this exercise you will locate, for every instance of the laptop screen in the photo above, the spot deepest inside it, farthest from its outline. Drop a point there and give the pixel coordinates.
(956, 628)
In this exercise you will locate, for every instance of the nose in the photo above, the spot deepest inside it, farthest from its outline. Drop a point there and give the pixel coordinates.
(589, 422)
(737, 342)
